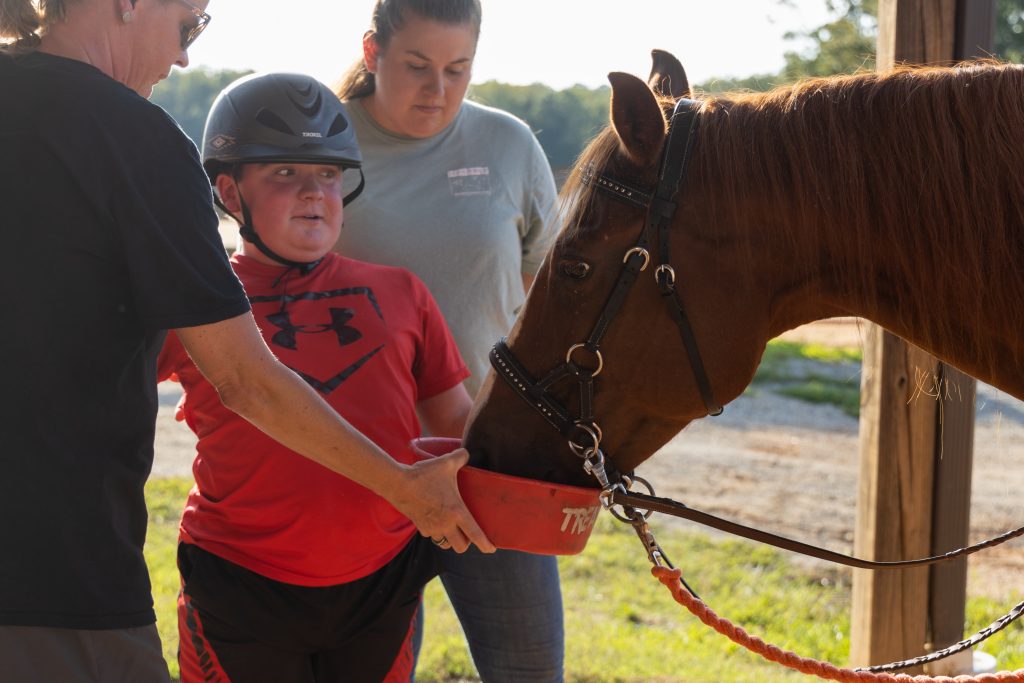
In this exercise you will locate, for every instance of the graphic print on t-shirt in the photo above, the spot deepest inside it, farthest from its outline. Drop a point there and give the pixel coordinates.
(465, 182)
(338, 325)
(324, 337)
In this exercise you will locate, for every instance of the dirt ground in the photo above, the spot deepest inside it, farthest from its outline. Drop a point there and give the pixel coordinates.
(790, 467)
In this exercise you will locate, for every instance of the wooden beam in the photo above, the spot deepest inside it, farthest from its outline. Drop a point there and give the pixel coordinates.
(915, 32)
(951, 516)
(917, 419)
(889, 620)
(975, 25)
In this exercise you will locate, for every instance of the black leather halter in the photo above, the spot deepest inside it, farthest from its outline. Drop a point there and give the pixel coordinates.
(583, 432)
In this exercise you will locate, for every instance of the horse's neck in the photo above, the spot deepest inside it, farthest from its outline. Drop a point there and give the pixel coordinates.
(881, 284)
(908, 211)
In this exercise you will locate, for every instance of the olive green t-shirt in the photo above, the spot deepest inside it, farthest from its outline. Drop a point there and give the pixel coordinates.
(469, 210)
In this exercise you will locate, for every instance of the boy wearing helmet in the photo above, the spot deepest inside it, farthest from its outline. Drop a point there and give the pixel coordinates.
(289, 571)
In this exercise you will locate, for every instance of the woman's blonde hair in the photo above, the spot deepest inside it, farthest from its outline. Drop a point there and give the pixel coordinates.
(388, 18)
(22, 22)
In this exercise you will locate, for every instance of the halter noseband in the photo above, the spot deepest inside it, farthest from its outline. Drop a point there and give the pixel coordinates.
(583, 432)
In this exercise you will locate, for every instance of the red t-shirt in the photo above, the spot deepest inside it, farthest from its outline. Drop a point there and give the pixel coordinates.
(372, 342)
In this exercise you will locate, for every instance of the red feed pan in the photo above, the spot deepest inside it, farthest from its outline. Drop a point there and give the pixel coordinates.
(522, 514)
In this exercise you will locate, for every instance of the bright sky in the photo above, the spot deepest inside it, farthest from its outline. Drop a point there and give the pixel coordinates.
(557, 42)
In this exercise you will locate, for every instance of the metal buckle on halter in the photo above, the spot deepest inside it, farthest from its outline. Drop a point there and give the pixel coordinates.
(667, 272)
(607, 497)
(638, 250)
(636, 519)
(587, 175)
(596, 352)
(594, 432)
(625, 485)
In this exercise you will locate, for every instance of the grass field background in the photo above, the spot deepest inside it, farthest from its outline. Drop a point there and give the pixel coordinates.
(621, 624)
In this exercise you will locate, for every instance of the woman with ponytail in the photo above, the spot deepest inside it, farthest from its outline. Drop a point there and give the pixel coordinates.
(462, 195)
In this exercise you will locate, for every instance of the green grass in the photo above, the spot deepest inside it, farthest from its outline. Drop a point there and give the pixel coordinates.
(165, 499)
(621, 624)
(788, 368)
(813, 389)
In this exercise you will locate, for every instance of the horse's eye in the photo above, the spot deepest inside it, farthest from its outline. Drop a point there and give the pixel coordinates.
(577, 270)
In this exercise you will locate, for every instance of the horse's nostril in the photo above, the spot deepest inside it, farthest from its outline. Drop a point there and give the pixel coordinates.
(577, 270)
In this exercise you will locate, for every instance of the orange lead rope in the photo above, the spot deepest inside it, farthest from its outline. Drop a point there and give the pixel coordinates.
(672, 578)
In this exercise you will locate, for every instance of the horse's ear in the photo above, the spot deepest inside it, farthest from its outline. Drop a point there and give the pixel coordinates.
(637, 118)
(667, 75)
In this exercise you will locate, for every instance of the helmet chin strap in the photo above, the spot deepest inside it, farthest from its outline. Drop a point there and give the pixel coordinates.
(249, 234)
(356, 192)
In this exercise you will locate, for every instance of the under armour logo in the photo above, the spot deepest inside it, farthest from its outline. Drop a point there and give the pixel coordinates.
(335, 369)
(286, 338)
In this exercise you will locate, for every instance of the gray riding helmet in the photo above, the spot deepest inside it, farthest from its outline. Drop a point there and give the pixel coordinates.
(278, 118)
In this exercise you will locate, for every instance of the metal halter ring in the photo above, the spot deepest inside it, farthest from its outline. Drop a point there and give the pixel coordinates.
(642, 252)
(631, 479)
(606, 497)
(594, 432)
(670, 273)
(596, 352)
(625, 485)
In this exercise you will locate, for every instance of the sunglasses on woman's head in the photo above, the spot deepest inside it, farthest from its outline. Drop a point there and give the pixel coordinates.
(189, 32)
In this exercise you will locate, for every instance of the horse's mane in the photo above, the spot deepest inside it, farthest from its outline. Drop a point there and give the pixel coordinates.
(918, 169)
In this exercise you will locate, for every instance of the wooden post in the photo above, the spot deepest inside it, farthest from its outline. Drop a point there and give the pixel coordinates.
(917, 421)
(889, 620)
(951, 515)
(915, 31)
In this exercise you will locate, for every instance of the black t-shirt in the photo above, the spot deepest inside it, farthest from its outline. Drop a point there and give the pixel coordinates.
(108, 240)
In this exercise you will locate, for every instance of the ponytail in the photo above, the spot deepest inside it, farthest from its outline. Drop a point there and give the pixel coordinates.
(389, 17)
(356, 82)
(22, 23)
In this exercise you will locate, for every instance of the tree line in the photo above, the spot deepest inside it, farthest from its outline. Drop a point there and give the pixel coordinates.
(565, 120)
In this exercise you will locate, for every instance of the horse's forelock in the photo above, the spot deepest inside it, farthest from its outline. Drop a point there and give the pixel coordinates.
(577, 193)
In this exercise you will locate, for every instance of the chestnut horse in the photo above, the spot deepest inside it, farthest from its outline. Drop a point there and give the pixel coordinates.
(896, 197)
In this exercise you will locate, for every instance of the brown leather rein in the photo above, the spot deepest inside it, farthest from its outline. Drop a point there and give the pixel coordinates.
(583, 432)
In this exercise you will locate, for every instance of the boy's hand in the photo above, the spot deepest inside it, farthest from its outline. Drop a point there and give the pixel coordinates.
(428, 494)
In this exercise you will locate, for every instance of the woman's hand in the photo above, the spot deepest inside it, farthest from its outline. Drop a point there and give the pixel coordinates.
(428, 494)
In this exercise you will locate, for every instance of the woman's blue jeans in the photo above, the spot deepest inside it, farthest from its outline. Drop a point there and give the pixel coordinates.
(510, 608)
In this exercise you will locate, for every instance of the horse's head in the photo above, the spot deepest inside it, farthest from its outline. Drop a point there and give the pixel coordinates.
(647, 388)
